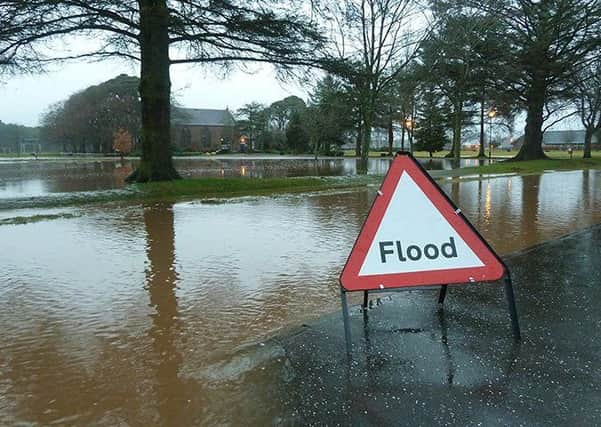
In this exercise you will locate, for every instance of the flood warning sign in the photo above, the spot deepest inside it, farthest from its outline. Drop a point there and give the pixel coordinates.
(414, 236)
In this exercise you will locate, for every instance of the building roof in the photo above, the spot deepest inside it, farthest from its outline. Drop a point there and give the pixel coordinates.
(561, 137)
(202, 117)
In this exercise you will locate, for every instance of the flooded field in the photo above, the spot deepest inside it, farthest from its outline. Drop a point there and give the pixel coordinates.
(129, 314)
(30, 178)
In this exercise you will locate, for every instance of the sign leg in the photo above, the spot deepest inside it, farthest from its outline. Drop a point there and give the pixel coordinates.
(366, 332)
(365, 300)
(512, 309)
(442, 295)
(346, 321)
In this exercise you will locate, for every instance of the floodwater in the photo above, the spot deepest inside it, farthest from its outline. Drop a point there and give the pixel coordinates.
(138, 315)
(31, 178)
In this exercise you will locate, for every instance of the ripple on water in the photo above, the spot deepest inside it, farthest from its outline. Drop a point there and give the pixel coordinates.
(129, 307)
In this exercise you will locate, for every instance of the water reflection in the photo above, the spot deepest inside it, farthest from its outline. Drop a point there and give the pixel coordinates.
(520, 211)
(61, 320)
(530, 207)
(37, 178)
(161, 283)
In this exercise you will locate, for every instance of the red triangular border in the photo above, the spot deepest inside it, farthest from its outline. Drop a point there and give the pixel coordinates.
(350, 280)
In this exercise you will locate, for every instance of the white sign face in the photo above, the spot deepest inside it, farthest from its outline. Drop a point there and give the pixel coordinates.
(414, 236)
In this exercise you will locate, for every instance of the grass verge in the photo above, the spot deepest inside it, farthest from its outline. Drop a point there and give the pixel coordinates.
(227, 187)
(535, 166)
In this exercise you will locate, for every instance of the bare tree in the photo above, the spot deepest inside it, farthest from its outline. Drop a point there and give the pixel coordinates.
(587, 101)
(158, 34)
(373, 42)
(460, 59)
(11, 29)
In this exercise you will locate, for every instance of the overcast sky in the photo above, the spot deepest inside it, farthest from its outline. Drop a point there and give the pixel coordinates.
(23, 99)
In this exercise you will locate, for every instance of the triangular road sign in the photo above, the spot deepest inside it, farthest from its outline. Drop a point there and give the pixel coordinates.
(415, 236)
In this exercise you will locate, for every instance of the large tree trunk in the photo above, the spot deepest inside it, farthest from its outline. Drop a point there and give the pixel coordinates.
(403, 137)
(166, 325)
(359, 138)
(368, 109)
(155, 90)
(588, 139)
(532, 148)
(365, 144)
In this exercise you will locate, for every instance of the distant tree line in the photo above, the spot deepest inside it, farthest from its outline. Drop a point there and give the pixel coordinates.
(475, 61)
(88, 120)
(12, 136)
(320, 126)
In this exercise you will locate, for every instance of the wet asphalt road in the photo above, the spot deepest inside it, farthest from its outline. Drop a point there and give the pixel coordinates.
(414, 364)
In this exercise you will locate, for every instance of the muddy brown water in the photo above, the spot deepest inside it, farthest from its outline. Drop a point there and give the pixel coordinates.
(143, 315)
(30, 178)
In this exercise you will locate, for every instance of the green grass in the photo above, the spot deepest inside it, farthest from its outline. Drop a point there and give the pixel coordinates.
(223, 187)
(536, 166)
(557, 154)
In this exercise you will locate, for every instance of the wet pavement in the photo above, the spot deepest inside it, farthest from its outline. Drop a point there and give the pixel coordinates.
(415, 364)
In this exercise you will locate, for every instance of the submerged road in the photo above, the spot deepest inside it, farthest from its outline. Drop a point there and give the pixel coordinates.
(414, 364)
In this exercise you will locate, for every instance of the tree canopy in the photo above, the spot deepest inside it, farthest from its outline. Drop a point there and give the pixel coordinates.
(90, 118)
(373, 41)
(11, 135)
(545, 43)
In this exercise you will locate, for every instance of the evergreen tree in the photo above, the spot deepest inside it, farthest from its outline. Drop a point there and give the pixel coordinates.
(460, 60)
(252, 119)
(430, 133)
(296, 136)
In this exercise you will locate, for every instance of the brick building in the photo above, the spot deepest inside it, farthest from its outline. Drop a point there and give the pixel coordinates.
(197, 129)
